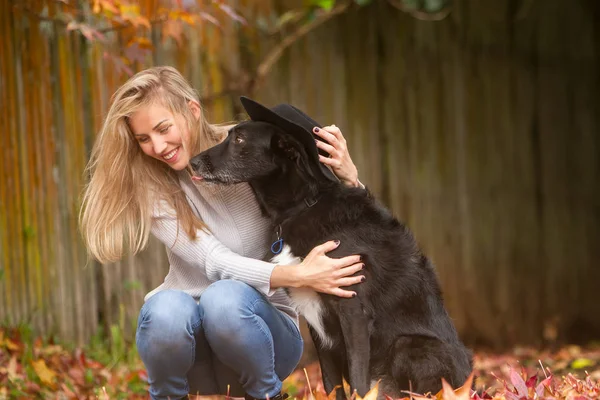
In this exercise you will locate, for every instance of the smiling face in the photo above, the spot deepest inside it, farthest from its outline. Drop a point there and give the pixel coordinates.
(161, 135)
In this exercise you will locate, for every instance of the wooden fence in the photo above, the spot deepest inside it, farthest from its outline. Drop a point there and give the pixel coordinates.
(480, 131)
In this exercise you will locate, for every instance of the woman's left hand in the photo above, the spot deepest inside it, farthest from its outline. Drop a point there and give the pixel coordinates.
(339, 158)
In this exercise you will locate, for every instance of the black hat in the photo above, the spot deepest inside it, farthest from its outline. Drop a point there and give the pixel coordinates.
(292, 121)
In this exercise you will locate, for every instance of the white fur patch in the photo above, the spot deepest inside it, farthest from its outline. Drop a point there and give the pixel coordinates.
(306, 301)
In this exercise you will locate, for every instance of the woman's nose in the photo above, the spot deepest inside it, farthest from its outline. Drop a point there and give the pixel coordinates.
(159, 145)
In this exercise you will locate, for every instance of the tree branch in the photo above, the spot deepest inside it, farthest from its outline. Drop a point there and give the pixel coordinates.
(275, 53)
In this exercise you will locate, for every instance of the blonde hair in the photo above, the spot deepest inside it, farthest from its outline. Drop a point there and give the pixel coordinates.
(125, 184)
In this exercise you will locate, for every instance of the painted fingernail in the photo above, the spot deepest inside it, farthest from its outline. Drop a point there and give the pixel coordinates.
(364, 278)
(316, 129)
(363, 266)
(353, 294)
(337, 242)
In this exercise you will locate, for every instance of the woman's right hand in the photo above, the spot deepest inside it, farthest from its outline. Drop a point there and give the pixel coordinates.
(329, 275)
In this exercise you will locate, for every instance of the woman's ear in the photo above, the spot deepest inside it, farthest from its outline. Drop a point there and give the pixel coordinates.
(195, 109)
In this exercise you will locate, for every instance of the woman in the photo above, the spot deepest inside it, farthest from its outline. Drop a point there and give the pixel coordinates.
(220, 321)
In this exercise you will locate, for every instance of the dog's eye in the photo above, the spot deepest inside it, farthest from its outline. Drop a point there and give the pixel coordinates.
(239, 140)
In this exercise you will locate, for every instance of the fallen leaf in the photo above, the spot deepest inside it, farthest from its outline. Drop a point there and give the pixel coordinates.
(372, 393)
(11, 370)
(582, 363)
(518, 383)
(46, 375)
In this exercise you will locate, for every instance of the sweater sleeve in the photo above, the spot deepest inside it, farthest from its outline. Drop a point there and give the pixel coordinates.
(208, 253)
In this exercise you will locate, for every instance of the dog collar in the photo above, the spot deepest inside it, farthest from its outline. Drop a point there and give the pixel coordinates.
(277, 245)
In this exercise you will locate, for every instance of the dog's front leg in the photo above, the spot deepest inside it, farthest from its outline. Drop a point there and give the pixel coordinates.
(355, 328)
(331, 366)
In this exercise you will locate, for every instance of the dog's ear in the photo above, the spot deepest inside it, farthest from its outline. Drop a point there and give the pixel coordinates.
(285, 146)
(289, 148)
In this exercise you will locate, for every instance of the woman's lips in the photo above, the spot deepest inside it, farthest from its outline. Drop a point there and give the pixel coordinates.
(174, 158)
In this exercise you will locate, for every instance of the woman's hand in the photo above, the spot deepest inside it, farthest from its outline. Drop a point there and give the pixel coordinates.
(328, 275)
(339, 158)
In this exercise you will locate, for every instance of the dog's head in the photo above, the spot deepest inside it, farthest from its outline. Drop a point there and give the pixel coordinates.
(251, 150)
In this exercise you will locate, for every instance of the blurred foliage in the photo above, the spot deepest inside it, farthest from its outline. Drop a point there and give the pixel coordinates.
(96, 20)
(35, 367)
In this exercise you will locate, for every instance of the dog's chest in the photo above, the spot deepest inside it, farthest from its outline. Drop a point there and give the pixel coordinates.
(307, 302)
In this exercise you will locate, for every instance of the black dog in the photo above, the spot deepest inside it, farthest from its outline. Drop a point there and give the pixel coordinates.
(396, 329)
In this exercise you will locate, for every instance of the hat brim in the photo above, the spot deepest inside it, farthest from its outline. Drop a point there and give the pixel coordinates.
(258, 112)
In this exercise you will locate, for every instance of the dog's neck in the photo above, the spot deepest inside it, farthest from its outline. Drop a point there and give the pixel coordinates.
(288, 192)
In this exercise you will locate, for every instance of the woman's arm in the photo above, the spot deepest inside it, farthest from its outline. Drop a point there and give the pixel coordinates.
(317, 271)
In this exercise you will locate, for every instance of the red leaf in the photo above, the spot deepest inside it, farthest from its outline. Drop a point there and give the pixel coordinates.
(531, 381)
(539, 390)
(80, 356)
(518, 383)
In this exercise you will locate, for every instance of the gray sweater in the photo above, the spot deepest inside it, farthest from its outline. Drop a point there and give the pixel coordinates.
(239, 238)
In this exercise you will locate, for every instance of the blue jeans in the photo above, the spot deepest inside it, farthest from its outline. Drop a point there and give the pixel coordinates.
(234, 337)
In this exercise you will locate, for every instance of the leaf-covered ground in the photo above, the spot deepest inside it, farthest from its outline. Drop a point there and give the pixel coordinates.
(37, 369)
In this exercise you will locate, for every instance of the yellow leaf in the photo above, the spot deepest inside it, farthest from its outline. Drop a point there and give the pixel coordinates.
(109, 6)
(346, 387)
(46, 375)
(463, 393)
(188, 18)
(143, 43)
(10, 345)
(129, 9)
(581, 363)
(371, 394)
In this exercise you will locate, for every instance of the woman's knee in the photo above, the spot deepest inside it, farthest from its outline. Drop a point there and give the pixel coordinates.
(226, 303)
(167, 322)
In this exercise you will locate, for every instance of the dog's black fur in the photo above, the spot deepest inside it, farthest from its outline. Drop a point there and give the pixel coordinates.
(396, 329)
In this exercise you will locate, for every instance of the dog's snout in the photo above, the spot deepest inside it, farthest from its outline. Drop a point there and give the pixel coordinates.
(206, 162)
(201, 163)
(195, 163)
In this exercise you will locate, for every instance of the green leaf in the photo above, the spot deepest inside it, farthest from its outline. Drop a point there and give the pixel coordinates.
(89, 376)
(326, 5)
